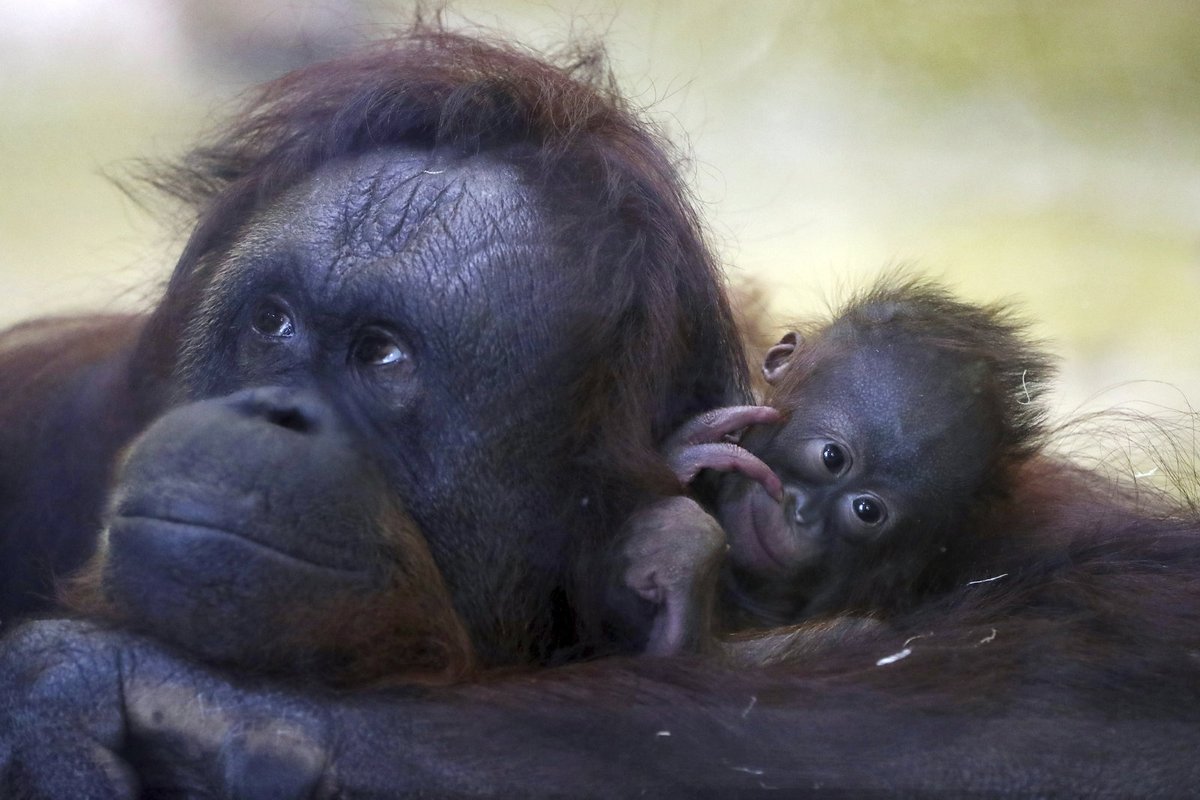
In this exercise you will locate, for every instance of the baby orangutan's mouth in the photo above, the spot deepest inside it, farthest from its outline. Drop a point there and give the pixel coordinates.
(760, 538)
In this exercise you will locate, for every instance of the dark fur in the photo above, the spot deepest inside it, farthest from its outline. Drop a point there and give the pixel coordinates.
(1089, 686)
(1040, 582)
(1061, 587)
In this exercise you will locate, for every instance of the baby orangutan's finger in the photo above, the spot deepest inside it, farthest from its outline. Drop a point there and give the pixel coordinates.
(713, 425)
(725, 457)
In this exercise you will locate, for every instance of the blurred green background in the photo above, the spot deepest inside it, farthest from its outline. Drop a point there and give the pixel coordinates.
(1044, 152)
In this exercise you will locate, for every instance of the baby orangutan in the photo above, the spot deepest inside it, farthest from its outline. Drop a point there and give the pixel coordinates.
(893, 433)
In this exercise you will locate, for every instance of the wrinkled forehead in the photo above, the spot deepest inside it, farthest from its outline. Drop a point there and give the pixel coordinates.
(387, 201)
(416, 221)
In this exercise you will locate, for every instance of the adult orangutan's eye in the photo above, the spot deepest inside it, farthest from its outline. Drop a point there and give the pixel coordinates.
(378, 348)
(271, 318)
(833, 457)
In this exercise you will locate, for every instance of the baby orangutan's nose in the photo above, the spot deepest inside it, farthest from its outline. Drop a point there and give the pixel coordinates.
(800, 506)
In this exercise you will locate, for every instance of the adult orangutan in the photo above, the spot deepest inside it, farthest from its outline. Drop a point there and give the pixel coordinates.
(472, 280)
(464, 253)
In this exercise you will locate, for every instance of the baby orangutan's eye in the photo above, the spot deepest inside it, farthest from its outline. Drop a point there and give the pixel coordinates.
(834, 458)
(868, 509)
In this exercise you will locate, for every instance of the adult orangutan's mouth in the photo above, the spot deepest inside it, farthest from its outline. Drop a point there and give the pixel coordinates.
(187, 530)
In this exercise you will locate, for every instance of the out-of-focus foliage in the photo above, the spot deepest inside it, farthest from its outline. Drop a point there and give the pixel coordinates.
(1044, 151)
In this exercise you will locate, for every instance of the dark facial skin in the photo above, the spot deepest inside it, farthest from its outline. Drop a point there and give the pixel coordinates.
(249, 531)
(881, 444)
(404, 286)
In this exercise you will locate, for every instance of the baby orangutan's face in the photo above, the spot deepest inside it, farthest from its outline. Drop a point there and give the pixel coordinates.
(877, 440)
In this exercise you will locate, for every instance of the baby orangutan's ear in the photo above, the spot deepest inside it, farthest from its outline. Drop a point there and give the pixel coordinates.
(776, 359)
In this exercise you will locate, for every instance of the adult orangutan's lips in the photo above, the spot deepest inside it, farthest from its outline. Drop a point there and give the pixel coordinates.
(188, 503)
(192, 513)
(158, 526)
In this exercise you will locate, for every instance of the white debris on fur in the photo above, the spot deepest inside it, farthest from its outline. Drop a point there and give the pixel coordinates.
(894, 657)
(912, 639)
(663, 733)
(989, 638)
(753, 700)
(988, 580)
(748, 770)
